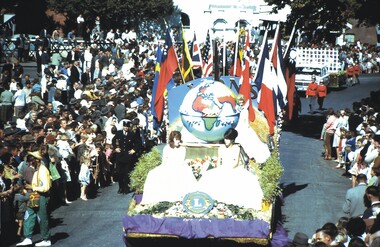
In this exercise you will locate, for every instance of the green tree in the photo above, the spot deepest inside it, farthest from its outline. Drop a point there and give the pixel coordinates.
(330, 15)
(113, 13)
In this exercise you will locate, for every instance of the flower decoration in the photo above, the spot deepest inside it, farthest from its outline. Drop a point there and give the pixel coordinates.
(199, 166)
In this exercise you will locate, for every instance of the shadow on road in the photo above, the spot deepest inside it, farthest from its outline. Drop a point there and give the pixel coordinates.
(291, 188)
(307, 125)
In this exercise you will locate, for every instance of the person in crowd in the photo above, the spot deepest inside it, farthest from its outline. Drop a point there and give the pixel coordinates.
(373, 236)
(84, 176)
(299, 240)
(41, 184)
(20, 202)
(329, 130)
(354, 203)
(373, 202)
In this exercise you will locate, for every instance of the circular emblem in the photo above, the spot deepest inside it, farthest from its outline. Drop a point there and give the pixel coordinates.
(198, 203)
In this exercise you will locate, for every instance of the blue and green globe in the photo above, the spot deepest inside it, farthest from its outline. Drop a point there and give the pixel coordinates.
(208, 110)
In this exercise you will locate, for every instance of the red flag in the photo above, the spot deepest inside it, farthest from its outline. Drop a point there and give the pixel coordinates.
(290, 71)
(169, 64)
(266, 96)
(245, 88)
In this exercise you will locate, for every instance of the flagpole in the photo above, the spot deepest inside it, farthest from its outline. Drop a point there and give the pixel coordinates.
(224, 55)
(236, 47)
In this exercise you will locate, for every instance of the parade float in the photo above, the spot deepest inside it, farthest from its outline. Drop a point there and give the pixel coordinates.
(238, 210)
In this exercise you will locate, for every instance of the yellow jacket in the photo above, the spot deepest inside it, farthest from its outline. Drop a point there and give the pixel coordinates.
(41, 180)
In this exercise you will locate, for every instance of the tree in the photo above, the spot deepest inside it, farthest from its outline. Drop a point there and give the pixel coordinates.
(328, 15)
(113, 13)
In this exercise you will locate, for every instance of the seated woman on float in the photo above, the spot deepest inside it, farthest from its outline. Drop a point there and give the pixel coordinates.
(230, 182)
(171, 180)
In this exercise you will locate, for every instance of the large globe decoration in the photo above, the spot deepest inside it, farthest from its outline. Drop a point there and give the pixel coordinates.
(208, 110)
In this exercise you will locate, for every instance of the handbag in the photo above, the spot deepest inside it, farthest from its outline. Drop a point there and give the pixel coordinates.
(34, 200)
(54, 172)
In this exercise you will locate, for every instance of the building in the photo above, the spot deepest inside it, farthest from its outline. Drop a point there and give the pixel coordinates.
(223, 17)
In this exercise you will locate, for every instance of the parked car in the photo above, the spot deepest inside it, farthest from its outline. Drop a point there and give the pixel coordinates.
(304, 73)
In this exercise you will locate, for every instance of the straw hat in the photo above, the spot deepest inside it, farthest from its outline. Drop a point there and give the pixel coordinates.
(35, 154)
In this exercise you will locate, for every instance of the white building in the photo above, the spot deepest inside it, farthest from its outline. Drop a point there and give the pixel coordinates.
(222, 16)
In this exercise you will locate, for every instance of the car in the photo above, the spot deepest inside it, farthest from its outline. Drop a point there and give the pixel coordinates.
(304, 74)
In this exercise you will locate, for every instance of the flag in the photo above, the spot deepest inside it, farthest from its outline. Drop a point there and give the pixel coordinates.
(195, 54)
(280, 87)
(207, 56)
(155, 82)
(187, 63)
(290, 70)
(169, 64)
(236, 68)
(245, 87)
(260, 68)
(265, 79)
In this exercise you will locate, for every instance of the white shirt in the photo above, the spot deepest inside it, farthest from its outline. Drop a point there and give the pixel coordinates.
(19, 98)
(80, 19)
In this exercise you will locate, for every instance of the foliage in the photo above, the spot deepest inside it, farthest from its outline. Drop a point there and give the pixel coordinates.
(330, 14)
(146, 163)
(269, 176)
(113, 14)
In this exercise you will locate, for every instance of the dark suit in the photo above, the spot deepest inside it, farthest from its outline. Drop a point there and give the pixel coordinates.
(120, 111)
(125, 162)
(74, 76)
(369, 211)
(354, 203)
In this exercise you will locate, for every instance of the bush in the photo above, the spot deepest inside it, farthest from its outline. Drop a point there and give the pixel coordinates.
(146, 163)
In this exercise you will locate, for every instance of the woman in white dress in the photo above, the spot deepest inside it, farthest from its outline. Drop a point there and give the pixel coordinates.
(230, 182)
(171, 180)
(248, 139)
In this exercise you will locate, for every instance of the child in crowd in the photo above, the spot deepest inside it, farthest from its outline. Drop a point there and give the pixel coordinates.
(20, 202)
(84, 176)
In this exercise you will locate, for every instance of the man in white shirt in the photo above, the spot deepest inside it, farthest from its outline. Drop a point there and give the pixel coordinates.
(110, 38)
(80, 23)
(19, 99)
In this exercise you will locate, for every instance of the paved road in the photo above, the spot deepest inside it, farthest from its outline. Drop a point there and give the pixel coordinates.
(313, 189)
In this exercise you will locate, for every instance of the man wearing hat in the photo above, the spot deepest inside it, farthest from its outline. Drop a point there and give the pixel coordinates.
(126, 146)
(300, 240)
(41, 183)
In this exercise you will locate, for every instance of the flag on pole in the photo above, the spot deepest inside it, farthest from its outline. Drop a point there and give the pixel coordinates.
(207, 56)
(280, 87)
(169, 64)
(245, 87)
(195, 54)
(290, 70)
(260, 68)
(265, 78)
(155, 82)
(186, 63)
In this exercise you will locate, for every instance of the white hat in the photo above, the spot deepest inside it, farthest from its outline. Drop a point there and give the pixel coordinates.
(373, 128)
(134, 104)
